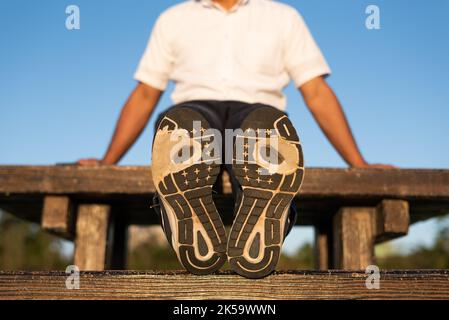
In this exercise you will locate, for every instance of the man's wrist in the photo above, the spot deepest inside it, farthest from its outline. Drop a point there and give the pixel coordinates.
(106, 161)
(359, 163)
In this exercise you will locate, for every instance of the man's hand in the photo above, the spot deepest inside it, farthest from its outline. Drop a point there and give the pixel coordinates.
(133, 119)
(329, 115)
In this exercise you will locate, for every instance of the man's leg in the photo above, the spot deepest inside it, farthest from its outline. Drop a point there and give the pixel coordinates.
(270, 173)
(184, 169)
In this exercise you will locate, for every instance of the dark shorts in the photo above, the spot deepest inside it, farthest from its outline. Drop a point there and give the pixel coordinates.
(223, 115)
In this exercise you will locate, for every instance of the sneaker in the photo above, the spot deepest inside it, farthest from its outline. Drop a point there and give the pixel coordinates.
(268, 188)
(184, 188)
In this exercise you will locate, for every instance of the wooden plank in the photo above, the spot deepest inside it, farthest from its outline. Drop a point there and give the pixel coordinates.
(91, 236)
(357, 183)
(354, 234)
(57, 216)
(393, 219)
(22, 190)
(75, 180)
(411, 284)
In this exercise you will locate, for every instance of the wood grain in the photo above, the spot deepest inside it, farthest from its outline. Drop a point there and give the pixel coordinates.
(57, 216)
(92, 228)
(323, 248)
(393, 219)
(22, 189)
(412, 284)
(402, 183)
(354, 234)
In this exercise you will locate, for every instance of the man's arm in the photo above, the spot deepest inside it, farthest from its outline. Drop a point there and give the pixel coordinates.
(133, 119)
(329, 115)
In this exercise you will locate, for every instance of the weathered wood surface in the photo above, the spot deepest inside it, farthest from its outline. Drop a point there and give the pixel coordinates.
(57, 216)
(413, 284)
(353, 235)
(408, 183)
(92, 237)
(392, 219)
(347, 241)
(130, 188)
(357, 229)
(323, 249)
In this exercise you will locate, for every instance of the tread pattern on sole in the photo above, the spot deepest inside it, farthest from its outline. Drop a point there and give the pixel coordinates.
(196, 233)
(257, 235)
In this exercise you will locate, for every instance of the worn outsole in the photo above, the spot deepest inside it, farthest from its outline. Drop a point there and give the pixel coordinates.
(258, 231)
(189, 216)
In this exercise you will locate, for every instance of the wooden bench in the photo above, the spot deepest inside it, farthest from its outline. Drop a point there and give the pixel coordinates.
(351, 209)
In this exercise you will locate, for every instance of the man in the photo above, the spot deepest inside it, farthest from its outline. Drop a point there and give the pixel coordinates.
(230, 61)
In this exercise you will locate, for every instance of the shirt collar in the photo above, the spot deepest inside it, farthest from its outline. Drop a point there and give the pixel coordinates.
(210, 4)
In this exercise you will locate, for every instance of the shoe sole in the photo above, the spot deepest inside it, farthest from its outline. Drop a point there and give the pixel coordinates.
(197, 233)
(258, 231)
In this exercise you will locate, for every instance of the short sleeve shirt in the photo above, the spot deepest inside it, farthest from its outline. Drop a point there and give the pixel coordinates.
(248, 54)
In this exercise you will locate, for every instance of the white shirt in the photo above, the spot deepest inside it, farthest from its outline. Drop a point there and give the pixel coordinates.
(248, 54)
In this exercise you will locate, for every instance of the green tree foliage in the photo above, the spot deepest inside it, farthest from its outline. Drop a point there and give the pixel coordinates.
(303, 259)
(435, 257)
(148, 256)
(24, 247)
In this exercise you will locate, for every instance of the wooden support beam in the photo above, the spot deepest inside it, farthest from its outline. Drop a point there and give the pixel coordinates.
(393, 219)
(323, 247)
(57, 216)
(118, 242)
(354, 234)
(357, 230)
(91, 236)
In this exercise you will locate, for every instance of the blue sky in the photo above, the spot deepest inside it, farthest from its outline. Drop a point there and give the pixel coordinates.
(61, 91)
